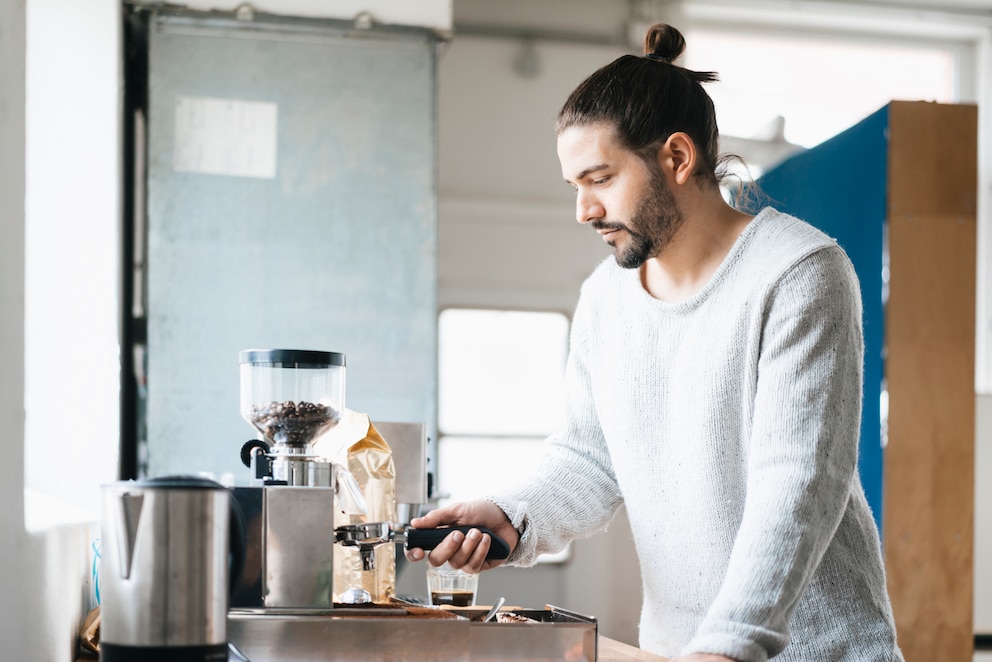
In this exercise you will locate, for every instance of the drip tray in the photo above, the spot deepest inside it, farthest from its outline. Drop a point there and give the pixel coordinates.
(412, 634)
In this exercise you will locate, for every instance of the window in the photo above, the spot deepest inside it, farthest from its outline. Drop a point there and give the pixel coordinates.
(778, 94)
(820, 86)
(499, 396)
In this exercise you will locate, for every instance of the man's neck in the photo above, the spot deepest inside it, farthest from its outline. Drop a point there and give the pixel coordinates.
(704, 239)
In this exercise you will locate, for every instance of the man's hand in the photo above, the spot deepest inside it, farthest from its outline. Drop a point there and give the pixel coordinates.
(465, 551)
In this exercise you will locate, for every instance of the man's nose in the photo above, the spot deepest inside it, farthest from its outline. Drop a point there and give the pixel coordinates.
(587, 207)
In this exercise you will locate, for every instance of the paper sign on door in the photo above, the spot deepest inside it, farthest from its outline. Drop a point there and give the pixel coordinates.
(225, 137)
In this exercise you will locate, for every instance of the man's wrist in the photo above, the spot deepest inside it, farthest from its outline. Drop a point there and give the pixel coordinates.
(519, 521)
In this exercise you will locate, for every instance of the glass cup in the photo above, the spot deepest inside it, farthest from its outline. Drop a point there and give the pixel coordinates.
(451, 587)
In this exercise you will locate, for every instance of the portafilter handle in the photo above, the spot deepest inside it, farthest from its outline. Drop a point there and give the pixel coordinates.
(430, 538)
(377, 533)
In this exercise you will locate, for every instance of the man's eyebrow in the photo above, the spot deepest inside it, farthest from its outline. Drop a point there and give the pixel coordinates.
(585, 173)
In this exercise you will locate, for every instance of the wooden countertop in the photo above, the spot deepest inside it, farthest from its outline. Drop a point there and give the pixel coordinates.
(611, 650)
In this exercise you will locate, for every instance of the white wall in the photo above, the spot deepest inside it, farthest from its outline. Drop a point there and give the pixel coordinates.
(46, 590)
(507, 234)
(434, 14)
(72, 211)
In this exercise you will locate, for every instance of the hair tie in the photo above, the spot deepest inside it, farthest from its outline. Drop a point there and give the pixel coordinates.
(660, 58)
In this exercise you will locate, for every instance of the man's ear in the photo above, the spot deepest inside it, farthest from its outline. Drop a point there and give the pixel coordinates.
(678, 156)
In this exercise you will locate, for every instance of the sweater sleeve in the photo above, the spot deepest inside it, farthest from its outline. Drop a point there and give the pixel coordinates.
(802, 456)
(574, 493)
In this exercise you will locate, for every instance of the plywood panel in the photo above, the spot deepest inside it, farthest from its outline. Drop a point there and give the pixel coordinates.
(930, 327)
(933, 157)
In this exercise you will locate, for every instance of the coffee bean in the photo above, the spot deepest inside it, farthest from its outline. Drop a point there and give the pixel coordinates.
(293, 423)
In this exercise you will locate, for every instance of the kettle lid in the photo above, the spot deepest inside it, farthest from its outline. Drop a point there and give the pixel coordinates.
(181, 482)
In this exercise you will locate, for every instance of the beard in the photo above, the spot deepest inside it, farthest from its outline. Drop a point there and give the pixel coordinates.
(652, 226)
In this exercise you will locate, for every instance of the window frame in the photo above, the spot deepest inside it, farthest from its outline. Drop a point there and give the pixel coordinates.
(534, 440)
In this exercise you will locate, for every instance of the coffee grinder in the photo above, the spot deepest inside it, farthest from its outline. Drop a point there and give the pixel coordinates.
(290, 397)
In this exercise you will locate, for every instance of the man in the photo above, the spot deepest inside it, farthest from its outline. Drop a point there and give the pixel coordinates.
(713, 387)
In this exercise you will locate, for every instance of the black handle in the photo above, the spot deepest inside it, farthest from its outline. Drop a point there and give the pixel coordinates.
(258, 449)
(431, 538)
(250, 448)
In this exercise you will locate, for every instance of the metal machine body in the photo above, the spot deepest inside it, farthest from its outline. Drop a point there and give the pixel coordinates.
(289, 560)
(408, 443)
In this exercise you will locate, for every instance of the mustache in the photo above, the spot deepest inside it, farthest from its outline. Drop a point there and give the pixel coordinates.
(607, 225)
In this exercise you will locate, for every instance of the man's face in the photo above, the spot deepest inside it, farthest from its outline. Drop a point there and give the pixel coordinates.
(625, 199)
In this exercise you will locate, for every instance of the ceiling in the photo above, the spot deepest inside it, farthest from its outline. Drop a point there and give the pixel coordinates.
(609, 21)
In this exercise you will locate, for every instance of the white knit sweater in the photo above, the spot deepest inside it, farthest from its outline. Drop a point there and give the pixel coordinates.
(728, 425)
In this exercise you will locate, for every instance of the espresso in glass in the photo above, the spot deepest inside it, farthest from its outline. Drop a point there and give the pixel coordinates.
(453, 598)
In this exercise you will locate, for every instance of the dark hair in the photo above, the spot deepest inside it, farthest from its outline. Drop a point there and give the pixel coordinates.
(648, 99)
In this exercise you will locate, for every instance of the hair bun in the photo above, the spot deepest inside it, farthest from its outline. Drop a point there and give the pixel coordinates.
(663, 42)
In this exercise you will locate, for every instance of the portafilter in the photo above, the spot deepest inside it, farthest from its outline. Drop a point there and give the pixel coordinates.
(366, 537)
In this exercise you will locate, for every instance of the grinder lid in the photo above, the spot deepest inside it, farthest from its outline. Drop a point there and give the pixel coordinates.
(292, 358)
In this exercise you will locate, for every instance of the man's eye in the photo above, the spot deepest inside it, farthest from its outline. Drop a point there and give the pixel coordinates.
(601, 180)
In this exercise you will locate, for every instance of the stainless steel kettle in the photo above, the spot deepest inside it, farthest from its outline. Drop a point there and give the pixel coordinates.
(165, 572)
